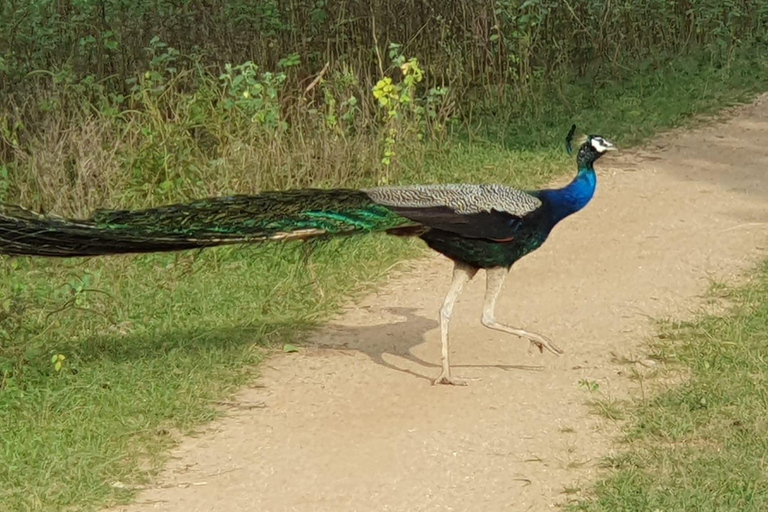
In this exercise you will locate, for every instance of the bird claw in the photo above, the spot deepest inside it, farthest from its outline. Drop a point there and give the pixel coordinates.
(452, 381)
(542, 342)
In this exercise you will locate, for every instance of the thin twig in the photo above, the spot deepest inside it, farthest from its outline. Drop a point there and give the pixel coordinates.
(317, 78)
(748, 224)
(376, 42)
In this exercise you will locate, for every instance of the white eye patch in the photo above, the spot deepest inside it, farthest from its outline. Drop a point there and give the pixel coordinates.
(601, 145)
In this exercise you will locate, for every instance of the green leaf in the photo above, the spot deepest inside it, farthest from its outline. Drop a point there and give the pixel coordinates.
(290, 348)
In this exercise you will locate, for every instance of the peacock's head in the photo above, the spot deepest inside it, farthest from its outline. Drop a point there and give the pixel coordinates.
(591, 147)
(599, 144)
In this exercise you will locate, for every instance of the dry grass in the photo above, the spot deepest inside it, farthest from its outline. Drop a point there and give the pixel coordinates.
(71, 169)
(183, 136)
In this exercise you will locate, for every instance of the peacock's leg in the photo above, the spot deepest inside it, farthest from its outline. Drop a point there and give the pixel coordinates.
(461, 275)
(494, 282)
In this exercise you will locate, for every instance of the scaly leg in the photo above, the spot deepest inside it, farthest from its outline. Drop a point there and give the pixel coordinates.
(494, 282)
(461, 275)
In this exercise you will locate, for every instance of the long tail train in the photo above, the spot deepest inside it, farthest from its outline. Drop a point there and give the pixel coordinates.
(464, 210)
(283, 215)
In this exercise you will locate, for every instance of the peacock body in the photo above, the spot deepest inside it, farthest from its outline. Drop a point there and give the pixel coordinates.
(477, 226)
(498, 238)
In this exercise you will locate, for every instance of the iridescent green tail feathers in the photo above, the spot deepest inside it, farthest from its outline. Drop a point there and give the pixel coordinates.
(284, 215)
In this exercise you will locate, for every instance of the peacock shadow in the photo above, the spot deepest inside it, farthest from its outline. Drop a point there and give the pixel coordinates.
(213, 341)
(391, 338)
(394, 338)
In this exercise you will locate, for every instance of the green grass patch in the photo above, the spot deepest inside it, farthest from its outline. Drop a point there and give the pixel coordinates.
(657, 95)
(701, 445)
(152, 343)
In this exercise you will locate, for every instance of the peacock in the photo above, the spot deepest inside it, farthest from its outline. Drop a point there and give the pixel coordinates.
(478, 226)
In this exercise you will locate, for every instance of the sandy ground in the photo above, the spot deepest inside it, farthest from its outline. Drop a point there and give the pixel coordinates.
(353, 422)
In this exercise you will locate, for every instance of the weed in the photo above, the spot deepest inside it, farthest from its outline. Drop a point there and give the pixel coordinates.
(589, 385)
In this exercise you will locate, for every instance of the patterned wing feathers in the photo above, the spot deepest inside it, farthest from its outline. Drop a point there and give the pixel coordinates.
(461, 198)
(471, 211)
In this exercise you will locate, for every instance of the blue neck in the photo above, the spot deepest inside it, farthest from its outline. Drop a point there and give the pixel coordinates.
(571, 198)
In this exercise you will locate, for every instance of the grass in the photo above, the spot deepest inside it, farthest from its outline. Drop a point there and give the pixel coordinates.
(701, 445)
(659, 95)
(153, 343)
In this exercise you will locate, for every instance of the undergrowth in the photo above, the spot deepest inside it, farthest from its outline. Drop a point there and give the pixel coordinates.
(501, 48)
(177, 135)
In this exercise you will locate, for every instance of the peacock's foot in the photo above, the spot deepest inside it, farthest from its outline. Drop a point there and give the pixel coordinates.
(537, 340)
(445, 378)
(541, 342)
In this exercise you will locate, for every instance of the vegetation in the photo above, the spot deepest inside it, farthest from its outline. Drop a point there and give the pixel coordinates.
(485, 44)
(701, 445)
(132, 104)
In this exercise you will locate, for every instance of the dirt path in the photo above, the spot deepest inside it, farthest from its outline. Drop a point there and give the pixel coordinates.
(354, 424)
